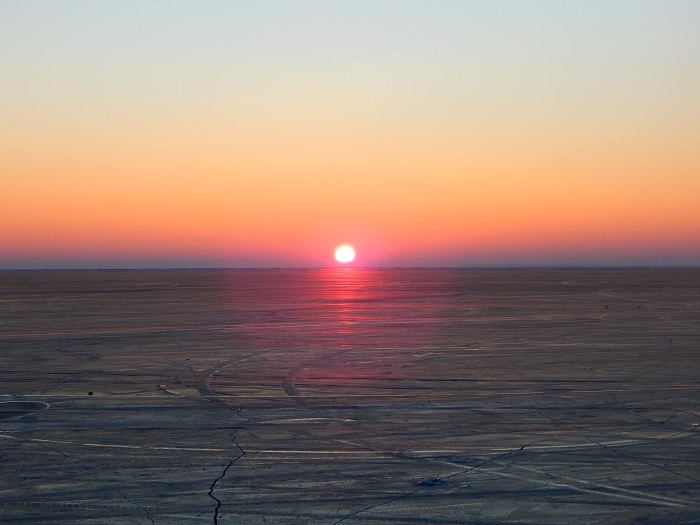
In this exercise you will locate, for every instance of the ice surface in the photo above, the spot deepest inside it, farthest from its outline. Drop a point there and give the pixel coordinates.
(350, 396)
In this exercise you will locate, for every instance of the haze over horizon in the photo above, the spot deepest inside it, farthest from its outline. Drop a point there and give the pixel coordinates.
(450, 133)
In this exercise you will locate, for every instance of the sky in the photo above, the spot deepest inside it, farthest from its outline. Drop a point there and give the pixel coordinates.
(423, 133)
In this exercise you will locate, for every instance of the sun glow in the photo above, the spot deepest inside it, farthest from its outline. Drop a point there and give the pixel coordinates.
(344, 254)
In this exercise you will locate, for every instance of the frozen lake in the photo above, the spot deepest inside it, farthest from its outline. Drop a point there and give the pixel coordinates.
(354, 396)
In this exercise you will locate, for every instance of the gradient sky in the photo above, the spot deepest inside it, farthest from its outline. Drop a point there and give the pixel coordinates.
(266, 133)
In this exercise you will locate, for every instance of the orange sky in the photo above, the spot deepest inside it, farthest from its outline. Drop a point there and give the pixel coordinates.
(435, 150)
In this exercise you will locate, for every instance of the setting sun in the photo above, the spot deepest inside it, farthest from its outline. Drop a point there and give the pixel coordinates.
(345, 254)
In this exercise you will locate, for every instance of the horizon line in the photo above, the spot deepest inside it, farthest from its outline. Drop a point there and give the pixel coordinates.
(398, 267)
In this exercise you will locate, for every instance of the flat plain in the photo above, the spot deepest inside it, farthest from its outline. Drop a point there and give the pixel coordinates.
(354, 396)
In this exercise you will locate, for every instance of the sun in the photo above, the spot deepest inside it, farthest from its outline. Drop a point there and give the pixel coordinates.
(344, 254)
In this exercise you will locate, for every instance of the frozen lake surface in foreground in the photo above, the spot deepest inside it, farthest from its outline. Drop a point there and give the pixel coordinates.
(354, 396)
